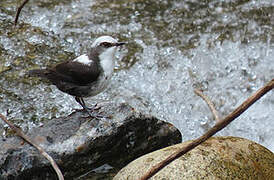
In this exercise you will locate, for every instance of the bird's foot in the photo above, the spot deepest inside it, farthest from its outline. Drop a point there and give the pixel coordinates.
(94, 108)
(96, 114)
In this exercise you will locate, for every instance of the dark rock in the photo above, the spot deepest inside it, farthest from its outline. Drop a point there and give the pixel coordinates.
(79, 144)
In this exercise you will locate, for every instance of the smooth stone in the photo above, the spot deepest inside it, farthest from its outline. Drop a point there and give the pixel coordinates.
(217, 158)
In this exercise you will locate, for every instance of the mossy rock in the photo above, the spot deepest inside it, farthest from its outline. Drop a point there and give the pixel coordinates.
(217, 158)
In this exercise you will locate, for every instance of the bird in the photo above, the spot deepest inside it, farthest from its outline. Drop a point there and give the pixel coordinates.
(86, 75)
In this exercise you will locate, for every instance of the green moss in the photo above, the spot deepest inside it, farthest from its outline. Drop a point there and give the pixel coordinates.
(4, 69)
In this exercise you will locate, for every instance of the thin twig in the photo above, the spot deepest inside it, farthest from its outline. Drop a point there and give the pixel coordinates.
(19, 11)
(209, 103)
(219, 126)
(40, 149)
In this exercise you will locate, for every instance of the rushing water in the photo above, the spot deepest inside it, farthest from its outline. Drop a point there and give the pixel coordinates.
(225, 48)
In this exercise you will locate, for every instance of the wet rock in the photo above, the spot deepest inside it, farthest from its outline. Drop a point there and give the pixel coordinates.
(80, 144)
(217, 158)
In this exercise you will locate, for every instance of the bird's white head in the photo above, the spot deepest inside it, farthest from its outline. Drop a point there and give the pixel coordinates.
(106, 47)
(102, 39)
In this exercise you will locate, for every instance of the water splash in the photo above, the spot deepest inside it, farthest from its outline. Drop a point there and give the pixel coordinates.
(227, 73)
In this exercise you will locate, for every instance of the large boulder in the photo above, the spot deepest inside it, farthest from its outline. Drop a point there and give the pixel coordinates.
(217, 158)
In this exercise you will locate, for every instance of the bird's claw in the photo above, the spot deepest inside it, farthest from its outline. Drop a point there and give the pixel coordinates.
(95, 107)
(95, 115)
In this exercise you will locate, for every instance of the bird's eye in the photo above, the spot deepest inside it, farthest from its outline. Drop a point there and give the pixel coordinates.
(106, 44)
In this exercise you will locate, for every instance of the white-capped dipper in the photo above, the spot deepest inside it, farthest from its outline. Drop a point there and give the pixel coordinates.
(86, 75)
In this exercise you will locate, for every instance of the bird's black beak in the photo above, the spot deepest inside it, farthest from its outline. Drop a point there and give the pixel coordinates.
(119, 43)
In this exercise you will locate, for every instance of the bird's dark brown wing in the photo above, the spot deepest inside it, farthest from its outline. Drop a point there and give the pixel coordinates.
(75, 72)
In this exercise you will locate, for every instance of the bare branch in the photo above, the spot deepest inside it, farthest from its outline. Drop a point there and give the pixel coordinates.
(40, 149)
(19, 10)
(209, 103)
(219, 126)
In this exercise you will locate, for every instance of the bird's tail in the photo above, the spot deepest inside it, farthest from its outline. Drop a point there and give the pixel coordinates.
(38, 73)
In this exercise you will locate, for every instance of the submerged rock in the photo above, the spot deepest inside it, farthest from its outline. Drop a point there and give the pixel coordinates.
(79, 144)
(217, 158)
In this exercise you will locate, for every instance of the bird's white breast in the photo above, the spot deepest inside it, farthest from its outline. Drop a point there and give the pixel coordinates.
(107, 61)
(84, 59)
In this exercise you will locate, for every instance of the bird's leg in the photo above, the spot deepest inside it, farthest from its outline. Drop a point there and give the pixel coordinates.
(94, 108)
(83, 104)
